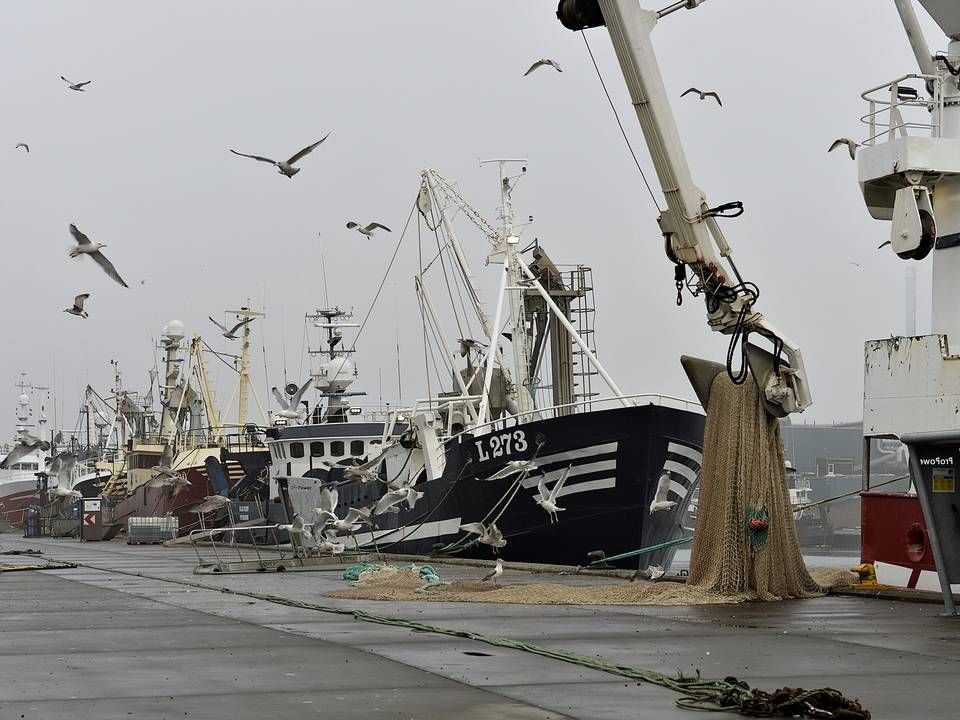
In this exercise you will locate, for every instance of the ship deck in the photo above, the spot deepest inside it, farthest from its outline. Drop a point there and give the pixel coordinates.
(96, 643)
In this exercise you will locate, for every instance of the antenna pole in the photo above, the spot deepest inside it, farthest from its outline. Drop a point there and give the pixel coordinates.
(244, 379)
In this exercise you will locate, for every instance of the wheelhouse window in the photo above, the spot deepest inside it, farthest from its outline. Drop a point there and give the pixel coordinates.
(296, 450)
(337, 448)
(316, 449)
(356, 447)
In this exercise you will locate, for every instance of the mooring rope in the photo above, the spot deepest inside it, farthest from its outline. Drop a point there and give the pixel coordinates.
(726, 695)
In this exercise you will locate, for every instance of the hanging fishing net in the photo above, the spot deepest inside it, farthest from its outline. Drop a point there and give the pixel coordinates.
(746, 541)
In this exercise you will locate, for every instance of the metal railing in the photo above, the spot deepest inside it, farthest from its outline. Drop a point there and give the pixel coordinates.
(888, 102)
(545, 413)
(209, 536)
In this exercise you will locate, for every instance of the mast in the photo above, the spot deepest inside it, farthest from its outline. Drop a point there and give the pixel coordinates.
(507, 252)
(244, 381)
(445, 194)
(170, 394)
(332, 378)
(206, 390)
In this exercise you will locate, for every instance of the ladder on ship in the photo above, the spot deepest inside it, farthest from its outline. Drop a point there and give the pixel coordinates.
(583, 314)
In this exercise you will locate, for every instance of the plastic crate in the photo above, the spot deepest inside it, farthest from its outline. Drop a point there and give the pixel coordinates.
(151, 530)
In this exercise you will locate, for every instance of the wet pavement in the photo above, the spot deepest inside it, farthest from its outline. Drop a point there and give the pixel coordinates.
(85, 643)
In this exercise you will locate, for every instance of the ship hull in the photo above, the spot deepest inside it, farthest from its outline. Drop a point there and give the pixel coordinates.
(615, 459)
(145, 501)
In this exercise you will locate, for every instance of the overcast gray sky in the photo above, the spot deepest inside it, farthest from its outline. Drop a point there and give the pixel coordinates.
(140, 162)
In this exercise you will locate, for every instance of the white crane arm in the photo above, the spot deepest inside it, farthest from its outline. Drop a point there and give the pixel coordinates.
(693, 237)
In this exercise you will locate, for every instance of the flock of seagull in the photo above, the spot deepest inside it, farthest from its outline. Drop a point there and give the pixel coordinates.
(323, 530)
(85, 246)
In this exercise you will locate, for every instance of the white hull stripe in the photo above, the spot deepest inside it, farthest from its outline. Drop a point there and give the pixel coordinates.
(683, 470)
(572, 455)
(533, 479)
(585, 486)
(678, 489)
(687, 452)
(438, 528)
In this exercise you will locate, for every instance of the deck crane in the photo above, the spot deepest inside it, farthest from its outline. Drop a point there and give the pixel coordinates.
(693, 239)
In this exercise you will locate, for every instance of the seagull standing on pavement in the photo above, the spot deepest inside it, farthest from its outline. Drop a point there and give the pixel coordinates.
(367, 230)
(285, 167)
(77, 308)
(86, 247)
(544, 62)
(495, 573)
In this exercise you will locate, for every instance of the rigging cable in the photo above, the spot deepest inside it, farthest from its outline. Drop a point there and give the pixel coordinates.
(384, 280)
(457, 282)
(218, 356)
(446, 280)
(423, 319)
(617, 116)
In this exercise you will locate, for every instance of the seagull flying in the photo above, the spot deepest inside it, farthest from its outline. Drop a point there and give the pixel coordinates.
(331, 543)
(851, 146)
(61, 467)
(167, 477)
(512, 468)
(392, 498)
(230, 333)
(548, 498)
(365, 472)
(486, 534)
(285, 167)
(77, 308)
(703, 95)
(26, 444)
(210, 503)
(86, 247)
(355, 519)
(329, 497)
(468, 344)
(291, 408)
(299, 528)
(495, 573)
(22, 145)
(541, 62)
(76, 86)
(326, 514)
(660, 501)
(367, 230)
(62, 492)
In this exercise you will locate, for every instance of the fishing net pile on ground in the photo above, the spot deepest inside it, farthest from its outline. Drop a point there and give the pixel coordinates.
(389, 583)
(745, 546)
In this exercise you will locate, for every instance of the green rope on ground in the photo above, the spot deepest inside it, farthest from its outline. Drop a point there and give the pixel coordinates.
(726, 695)
(427, 573)
(644, 550)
